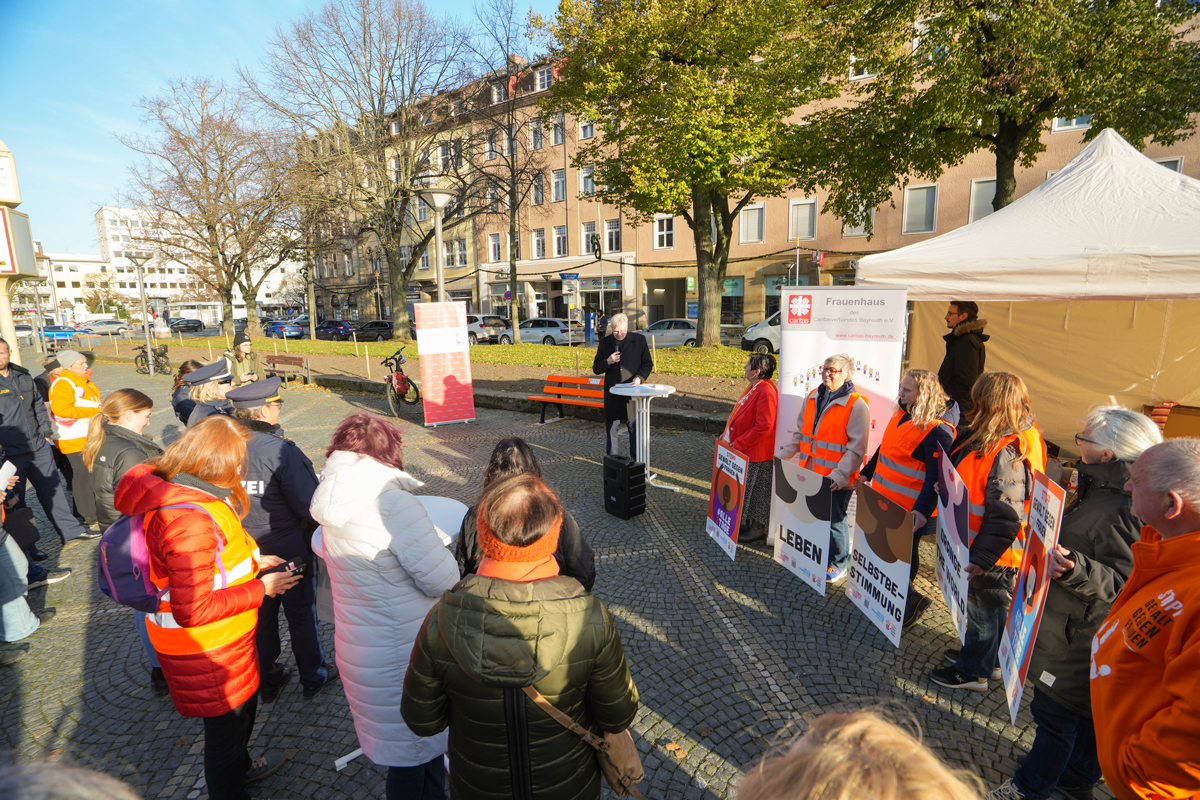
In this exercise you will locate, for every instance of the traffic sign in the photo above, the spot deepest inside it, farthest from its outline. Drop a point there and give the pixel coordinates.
(508, 294)
(291, 303)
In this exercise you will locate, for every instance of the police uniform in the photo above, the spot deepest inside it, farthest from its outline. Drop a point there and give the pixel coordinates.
(280, 481)
(216, 372)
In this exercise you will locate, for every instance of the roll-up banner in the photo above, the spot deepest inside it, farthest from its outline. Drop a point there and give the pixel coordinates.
(445, 360)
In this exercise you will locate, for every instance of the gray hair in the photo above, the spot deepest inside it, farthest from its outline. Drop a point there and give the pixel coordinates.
(1174, 466)
(619, 321)
(1127, 433)
(40, 780)
(843, 362)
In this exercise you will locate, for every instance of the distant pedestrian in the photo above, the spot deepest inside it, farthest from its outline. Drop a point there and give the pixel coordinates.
(620, 358)
(181, 401)
(514, 456)
(74, 399)
(243, 364)
(1145, 668)
(209, 385)
(966, 354)
(751, 430)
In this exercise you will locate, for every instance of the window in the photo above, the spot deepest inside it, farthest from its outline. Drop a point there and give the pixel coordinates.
(122, 285)
(448, 247)
(499, 93)
(612, 227)
(1071, 123)
(920, 209)
(560, 240)
(396, 169)
(492, 151)
(494, 247)
(514, 246)
(1174, 164)
(462, 252)
(851, 231)
(752, 223)
(535, 134)
(560, 184)
(456, 108)
(587, 129)
(427, 117)
(589, 230)
(444, 156)
(58, 268)
(537, 190)
(60, 284)
(859, 70)
(422, 210)
(425, 259)
(493, 198)
(545, 78)
(395, 127)
(559, 134)
(74, 284)
(539, 243)
(802, 219)
(664, 233)
(587, 180)
(983, 192)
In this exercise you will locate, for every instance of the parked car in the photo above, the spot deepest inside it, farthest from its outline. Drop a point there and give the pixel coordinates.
(60, 332)
(284, 330)
(484, 329)
(763, 337)
(336, 329)
(546, 330)
(182, 324)
(106, 326)
(375, 331)
(672, 333)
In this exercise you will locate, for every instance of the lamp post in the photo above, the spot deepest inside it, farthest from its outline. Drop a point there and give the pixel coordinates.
(139, 261)
(439, 199)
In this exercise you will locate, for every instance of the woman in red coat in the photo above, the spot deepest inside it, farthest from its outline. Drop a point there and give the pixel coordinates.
(193, 501)
(751, 431)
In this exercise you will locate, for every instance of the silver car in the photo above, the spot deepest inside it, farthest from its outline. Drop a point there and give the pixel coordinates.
(106, 326)
(672, 333)
(546, 330)
(483, 329)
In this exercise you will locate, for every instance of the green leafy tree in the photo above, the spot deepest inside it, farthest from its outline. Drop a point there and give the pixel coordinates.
(952, 77)
(694, 101)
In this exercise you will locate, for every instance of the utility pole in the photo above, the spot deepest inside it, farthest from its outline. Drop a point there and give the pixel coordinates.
(139, 261)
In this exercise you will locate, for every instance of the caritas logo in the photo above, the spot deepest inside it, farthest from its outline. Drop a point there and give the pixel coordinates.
(800, 310)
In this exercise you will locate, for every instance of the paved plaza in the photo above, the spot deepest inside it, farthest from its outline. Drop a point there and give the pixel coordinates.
(728, 656)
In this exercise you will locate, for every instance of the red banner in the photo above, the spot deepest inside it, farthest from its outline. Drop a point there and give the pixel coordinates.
(445, 360)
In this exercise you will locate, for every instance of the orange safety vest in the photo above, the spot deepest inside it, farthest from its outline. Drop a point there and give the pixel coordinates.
(898, 476)
(975, 469)
(821, 451)
(240, 559)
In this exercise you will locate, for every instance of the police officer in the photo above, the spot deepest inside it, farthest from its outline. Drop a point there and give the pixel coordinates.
(280, 481)
(209, 385)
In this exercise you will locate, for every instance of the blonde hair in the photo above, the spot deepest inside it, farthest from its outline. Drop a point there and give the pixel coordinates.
(204, 392)
(114, 407)
(931, 400)
(1002, 407)
(855, 756)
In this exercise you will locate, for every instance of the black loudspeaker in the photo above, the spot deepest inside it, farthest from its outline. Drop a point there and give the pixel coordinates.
(624, 487)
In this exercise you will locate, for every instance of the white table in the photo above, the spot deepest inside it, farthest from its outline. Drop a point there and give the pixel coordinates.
(641, 396)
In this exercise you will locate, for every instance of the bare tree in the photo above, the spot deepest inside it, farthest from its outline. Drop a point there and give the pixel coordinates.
(212, 190)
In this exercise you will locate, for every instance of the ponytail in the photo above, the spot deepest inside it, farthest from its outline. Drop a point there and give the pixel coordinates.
(95, 439)
(114, 407)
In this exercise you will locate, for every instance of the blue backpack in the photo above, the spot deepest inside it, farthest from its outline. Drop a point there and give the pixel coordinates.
(125, 562)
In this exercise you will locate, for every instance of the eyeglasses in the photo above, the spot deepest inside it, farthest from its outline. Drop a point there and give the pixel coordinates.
(276, 403)
(1079, 439)
(830, 371)
(225, 383)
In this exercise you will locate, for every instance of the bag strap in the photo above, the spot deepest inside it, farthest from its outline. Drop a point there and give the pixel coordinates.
(217, 536)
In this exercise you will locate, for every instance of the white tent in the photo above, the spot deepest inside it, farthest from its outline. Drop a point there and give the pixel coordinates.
(1113, 228)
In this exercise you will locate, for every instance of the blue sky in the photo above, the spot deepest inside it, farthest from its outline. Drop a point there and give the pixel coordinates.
(74, 72)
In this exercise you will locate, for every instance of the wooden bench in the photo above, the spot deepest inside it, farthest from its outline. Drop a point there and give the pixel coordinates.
(287, 366)
(570, 391)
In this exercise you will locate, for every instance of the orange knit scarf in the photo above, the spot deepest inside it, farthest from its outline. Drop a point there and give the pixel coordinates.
(519, 572)
(537, 551)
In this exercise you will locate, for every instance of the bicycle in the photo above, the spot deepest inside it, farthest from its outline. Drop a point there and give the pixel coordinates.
(161, 365)
(399, 387)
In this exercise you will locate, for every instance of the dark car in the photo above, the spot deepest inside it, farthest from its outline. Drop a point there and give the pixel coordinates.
(375, 331)
(336, 329)
(187, 325)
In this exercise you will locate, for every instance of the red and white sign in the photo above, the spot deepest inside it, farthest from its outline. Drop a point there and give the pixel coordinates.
(800, 309)
(445, 359)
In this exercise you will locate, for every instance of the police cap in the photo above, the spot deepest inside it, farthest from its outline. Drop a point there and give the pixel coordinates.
(216, 372)
(255, 394)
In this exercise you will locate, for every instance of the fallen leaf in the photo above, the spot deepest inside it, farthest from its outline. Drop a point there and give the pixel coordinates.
(926, 699)
(681, 753)
(181, 742)
(672, 746)
(704, 730)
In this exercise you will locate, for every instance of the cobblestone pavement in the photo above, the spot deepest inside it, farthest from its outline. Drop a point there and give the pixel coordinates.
(728, 656)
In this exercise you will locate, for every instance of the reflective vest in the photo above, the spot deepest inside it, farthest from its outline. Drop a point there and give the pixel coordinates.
(898, 476)
(975, 469)
(821, 451)
(237, 564)
(86, 396)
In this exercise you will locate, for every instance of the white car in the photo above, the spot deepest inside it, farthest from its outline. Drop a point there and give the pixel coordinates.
(546, 330)
(763, 337)
(483, 329)
(672, 333)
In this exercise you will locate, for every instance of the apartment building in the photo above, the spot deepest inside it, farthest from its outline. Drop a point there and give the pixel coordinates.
(70, 277)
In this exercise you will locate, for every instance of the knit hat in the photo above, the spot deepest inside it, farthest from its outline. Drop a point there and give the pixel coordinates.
(240, 338)
(497, 550)
(68, 358)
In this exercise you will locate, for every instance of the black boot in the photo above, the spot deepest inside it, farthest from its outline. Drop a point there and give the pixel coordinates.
(158, 684)
(757, 532)
(914, 607)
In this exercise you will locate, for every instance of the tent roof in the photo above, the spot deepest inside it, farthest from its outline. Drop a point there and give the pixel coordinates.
(1110, 224)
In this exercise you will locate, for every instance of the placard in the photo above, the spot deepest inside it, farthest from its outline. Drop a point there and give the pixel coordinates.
(880, 560)
(444, 355)
(953, 542)
(727, 497)
(801, 502)
(1033, 581)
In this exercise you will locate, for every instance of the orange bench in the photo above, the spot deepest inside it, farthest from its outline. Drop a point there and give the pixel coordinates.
(570, 391)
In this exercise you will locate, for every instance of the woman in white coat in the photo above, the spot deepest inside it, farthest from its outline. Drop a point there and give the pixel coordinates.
(387, 567)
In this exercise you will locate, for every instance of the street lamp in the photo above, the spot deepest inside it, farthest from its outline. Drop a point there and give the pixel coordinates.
(439, 199)
(139, 261)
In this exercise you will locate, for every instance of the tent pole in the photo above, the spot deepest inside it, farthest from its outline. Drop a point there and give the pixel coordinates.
(1133, 322)
(1162, 353)
(1067, 316)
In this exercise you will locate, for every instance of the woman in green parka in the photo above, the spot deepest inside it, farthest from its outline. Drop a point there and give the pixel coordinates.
(518, 623)
(243, 364)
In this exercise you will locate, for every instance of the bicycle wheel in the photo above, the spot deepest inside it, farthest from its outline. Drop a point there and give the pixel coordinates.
(393, 399)
(413, 395)
(142, 364)
(162, 366)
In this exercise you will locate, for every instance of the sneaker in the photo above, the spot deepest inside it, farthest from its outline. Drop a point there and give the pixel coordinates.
(265, 766)
(51, 576)
(45, 615)
(919, 607)
(953, 679)
(1005, 791)
(952, 658)
(11, 657)
(1076, 790)
(833, 575)
(158, 683)
(273, 688)
(89, 533)
(331, 675)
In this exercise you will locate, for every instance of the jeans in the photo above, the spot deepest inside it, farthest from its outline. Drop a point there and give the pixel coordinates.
(612, 445)
(16, 620)
(41, 471)
(81, 488)
(226, 753)
(300, 608)
(1065, 745)
(423, 782)
(984, 628)
(839, 528)
(139, 622)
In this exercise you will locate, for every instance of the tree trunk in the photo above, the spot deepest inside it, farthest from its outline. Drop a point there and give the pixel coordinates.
(1008, 149)
(253, 326)
(512, 272)
(226, 295)
(398, 282)
(711, 262)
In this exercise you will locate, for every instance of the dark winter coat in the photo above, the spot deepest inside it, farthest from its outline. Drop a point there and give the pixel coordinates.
(1099, 529)
(24, 423)
(208, 408)
(485, 640)
(280, 481)
(964, 361)
(635, 363)
(182, 403)
(574, 555)
(122, 449)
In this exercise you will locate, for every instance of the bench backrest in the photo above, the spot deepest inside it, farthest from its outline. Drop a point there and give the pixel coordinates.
(588, 387)
(286, 361)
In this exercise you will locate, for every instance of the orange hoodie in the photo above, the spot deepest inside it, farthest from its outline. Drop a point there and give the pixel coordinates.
(1146, 675)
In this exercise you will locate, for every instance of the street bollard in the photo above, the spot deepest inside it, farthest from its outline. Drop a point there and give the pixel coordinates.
(209, 351)
(367, 356)
(276, 343)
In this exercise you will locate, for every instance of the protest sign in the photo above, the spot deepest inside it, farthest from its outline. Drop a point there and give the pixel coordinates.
(953, 542)
(726, 497)
(880, 559)
(800, 510)
(1016, 643)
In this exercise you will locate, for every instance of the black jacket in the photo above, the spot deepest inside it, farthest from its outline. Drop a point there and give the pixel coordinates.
(182, 403)
(122, 449)
(964, 361)
(635, 363)
(207, 409)
(280, 481)
(574, 555)
(24, 422)
(1099, 529)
